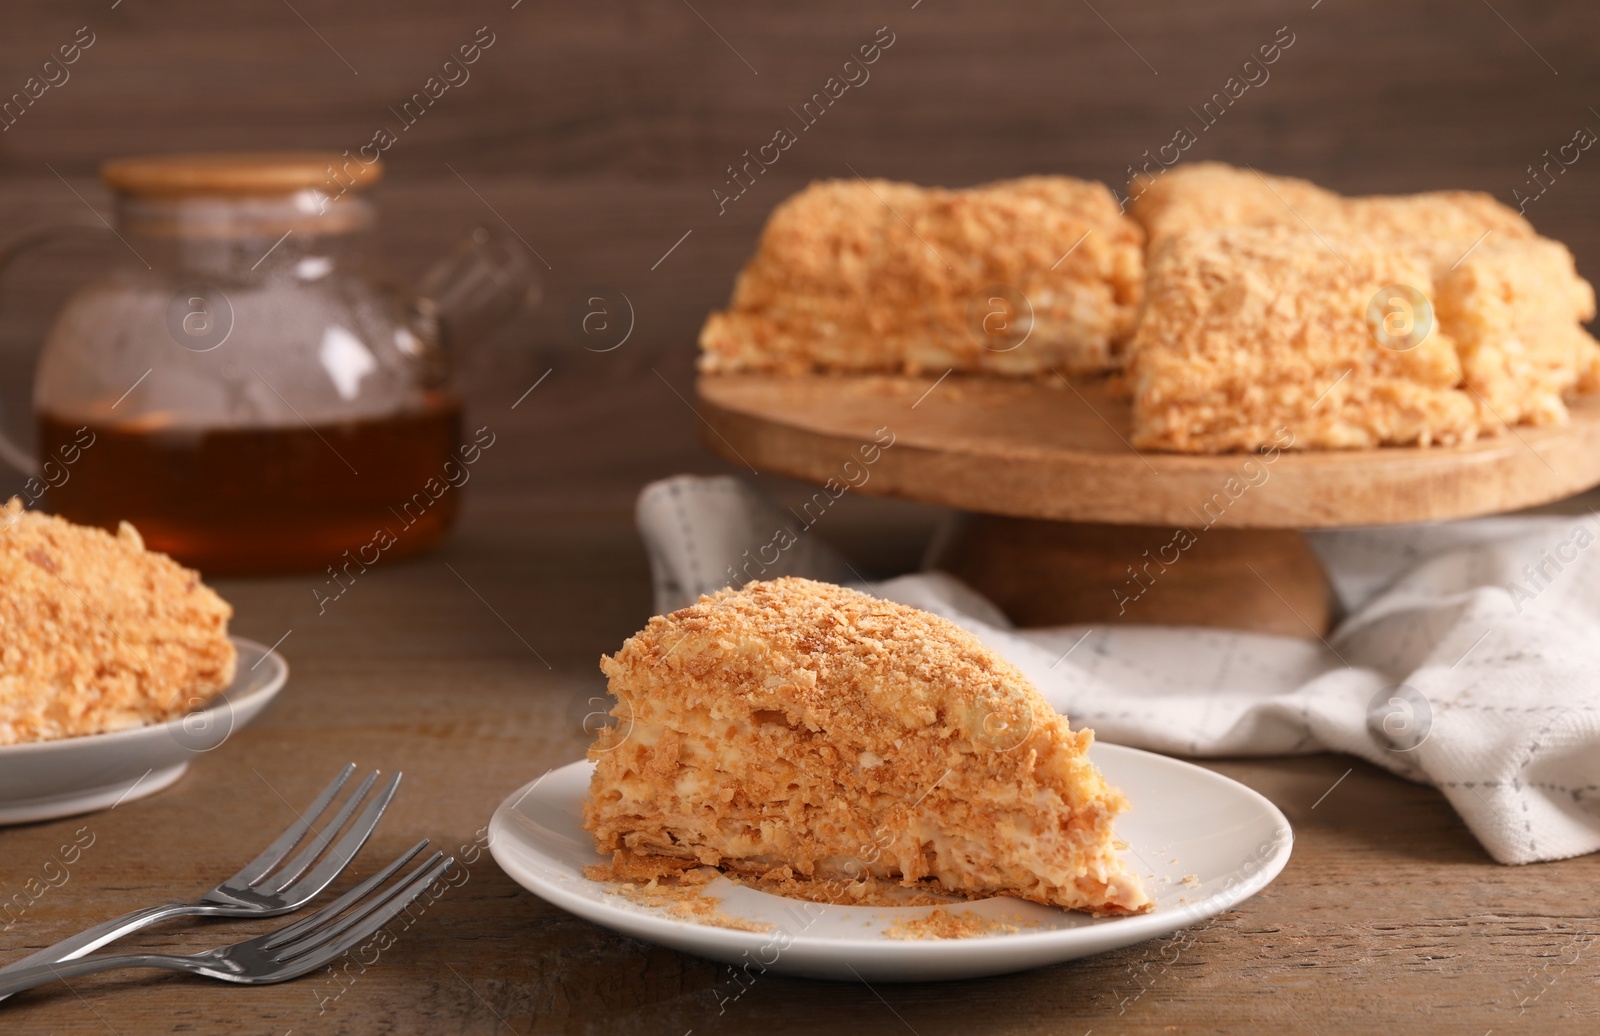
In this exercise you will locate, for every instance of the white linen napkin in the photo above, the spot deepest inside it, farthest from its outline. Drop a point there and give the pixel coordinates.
(1469, 658)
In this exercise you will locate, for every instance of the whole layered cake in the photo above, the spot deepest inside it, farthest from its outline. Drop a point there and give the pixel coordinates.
(1237, 310)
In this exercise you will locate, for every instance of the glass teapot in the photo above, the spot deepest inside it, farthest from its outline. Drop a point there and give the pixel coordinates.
(242, 390)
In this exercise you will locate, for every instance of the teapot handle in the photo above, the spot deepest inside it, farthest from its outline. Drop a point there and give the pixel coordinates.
(483, 283)
(10, 252)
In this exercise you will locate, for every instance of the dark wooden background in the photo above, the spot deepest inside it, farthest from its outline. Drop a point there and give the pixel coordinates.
(598, 132)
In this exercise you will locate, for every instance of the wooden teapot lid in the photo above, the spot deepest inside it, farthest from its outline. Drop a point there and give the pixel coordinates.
(239, 174)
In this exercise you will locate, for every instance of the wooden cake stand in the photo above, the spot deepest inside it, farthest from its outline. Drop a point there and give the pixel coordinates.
(1069, 524)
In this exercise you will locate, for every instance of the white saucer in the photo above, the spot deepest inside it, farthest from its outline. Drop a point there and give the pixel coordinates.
(47, 779)
(1185, 823)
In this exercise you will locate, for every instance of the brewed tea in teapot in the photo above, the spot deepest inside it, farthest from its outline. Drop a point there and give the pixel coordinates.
(253, 399)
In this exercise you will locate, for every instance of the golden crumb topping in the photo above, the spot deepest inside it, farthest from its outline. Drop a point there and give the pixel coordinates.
(795, 724)
(1015, 277)
(1225, 358)
(98, 634)
(1251, 333)
(1433, 226)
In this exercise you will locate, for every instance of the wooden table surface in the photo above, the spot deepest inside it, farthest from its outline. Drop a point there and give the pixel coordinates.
(470, 670)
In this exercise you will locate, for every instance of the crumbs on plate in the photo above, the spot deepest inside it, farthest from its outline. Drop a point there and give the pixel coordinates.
(940, 923)
(864, 892)
(675, 886)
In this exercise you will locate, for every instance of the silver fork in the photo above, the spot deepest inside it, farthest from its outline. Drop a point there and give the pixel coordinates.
(290, 952)
(262, 888)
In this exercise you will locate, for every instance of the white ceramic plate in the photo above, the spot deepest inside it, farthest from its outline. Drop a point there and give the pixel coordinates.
(48, 779)
(1201, 841)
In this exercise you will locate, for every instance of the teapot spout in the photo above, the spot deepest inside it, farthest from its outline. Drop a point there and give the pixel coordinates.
(482, 284)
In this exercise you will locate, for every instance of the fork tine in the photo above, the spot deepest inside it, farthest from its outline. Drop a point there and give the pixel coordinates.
(273, 854)
(319, 840)
(343, 851)
(341, 904)
(334, 940)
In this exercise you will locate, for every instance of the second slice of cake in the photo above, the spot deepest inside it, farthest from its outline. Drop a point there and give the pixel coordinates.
(799, 728)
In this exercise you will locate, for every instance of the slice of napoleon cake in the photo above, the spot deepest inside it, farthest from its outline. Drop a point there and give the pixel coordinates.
(796, 728)
(99, 634)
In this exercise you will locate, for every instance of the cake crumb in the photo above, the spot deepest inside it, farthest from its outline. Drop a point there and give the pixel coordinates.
(674, 886)
(867, 892)
(941, 923)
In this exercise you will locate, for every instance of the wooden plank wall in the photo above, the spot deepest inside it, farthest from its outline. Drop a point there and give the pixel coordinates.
(600, 131)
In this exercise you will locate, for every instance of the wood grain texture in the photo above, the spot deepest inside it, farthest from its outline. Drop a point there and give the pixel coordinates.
(1044, 573)
(1049, 449)
(601, 130)
(598, 132)
(234, 173)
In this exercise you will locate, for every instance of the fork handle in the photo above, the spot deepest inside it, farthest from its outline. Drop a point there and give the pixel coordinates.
(16, 979)
(92, 939)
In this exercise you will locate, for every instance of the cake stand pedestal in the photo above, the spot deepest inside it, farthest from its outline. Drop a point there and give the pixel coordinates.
(1067, 523)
